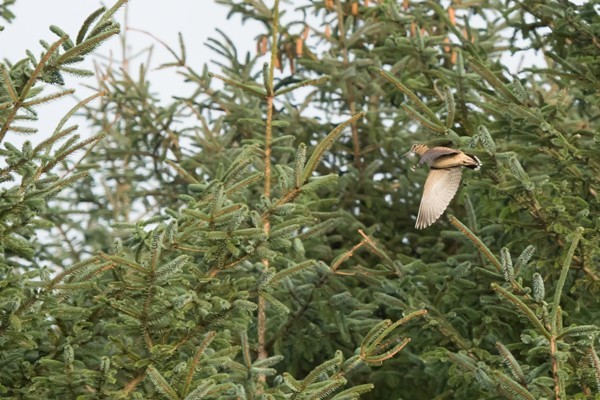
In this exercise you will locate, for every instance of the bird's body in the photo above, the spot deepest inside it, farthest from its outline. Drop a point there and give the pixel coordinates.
(443, 180)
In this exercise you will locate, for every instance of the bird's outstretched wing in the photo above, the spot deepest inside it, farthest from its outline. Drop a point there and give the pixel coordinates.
(440, 188)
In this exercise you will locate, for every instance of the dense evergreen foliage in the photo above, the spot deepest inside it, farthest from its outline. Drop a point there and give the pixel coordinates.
(256, 240)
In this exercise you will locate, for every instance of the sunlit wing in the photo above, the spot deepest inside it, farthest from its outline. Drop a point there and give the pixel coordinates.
(440, 188)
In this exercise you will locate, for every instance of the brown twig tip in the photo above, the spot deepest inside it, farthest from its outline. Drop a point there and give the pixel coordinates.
(450, 50)
(452, 15)
(368, 240)
(386, 356)
(305, 32)
(261, 46)
(421, 312)
(299, 47)
(447, 44)
(346, 256)
(375, 249)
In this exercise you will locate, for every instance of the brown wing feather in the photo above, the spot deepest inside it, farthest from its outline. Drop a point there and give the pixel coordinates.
(456, 160)
(440, 188)
(431, 155)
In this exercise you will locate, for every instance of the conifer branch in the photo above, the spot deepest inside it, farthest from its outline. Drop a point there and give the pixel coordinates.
(512, 363)
(161, 383)
(27, 87)
(476, 241)
(193, 364)
(561, 281)
(378, 359)
(247, 88)
(45, 99)
(512, 387)
(324, 145)
(346, 255)
(493, 80)
(353, 392)
(44, 168)
(120, 260)
(411, 95)
(556, 317)
(307, 82)
(133, 383)
(595, 362)
(8, 84)
(261, 313)
(70, 271)
(87, 22)
(525, 310)
(327, 366)
(107, 16)
(423, 120)
(558, 386)
(76, 108)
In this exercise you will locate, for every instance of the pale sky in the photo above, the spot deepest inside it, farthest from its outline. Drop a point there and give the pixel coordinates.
(196, 20)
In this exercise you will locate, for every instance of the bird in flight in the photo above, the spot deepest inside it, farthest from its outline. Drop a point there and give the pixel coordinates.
(445, 169)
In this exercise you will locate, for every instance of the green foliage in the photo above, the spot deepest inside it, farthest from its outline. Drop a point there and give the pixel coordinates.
(5, 12)
(254, 239)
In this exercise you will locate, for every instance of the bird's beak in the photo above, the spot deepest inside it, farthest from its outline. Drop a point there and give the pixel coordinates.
(407, 154)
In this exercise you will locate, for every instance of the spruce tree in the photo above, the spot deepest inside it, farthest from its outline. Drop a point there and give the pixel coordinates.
(256, 240)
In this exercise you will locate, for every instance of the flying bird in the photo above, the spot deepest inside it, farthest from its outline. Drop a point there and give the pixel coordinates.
(445, 168)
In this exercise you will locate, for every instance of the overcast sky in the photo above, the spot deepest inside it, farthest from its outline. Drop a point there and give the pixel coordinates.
(196, 20)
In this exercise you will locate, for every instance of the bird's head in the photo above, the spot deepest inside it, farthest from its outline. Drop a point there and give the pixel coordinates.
(419, 148)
